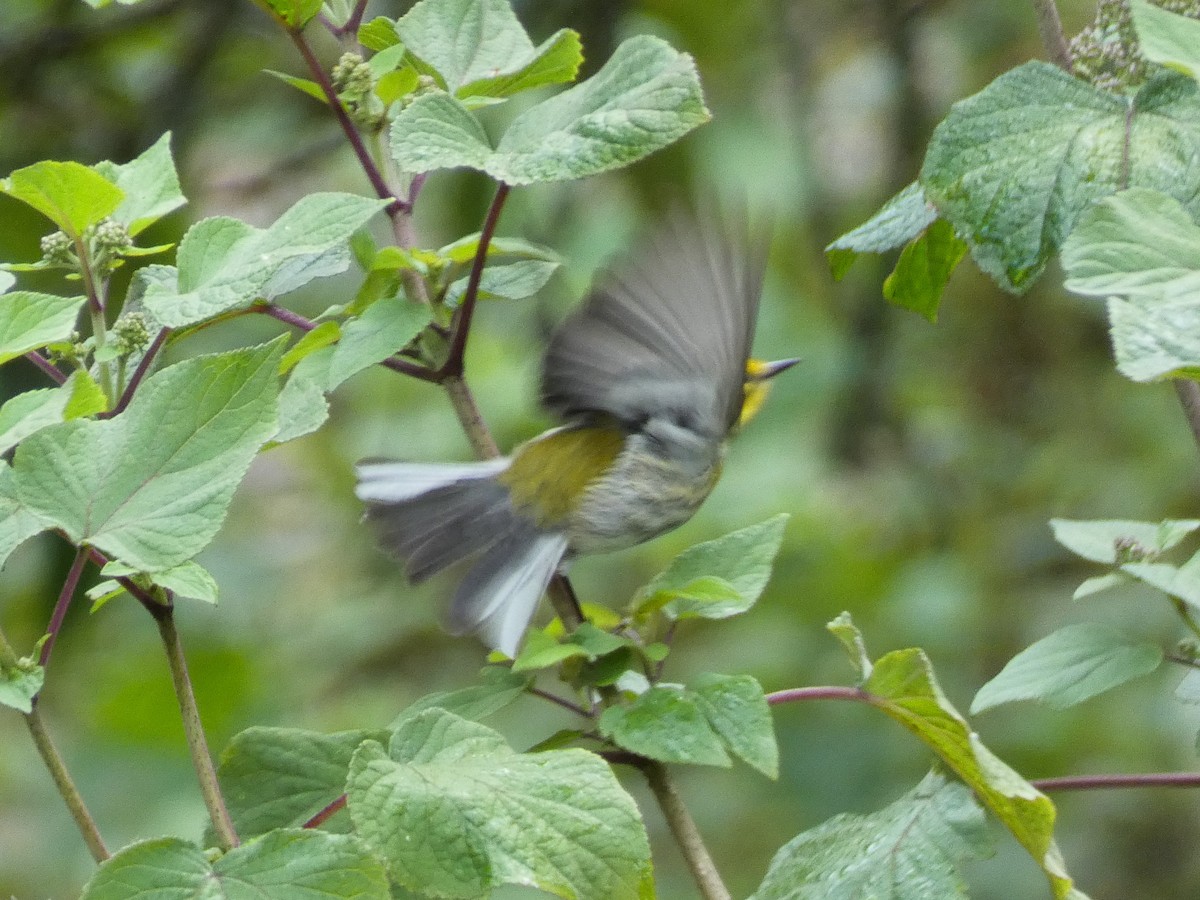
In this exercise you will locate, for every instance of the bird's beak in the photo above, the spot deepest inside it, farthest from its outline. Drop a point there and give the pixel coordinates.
(771, 369)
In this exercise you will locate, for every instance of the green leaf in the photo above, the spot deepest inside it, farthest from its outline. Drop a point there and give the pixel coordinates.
(20, 683)
(542, 650)
(293, 13)
(1144, 247)
(322, 336)
(151, 486)
(464, 249)
(479, 47)
(667, 724)
(645, 97)
(902, 684)
(30, 412)
(1182, 582)
(737, 710)
(500, 688)
(224, 263)
(1167, 38)
(387, 326)
(30, 320)
(7, 280)
(1012, 167)
(378, 34)
(1100, 540)
(1069, 666)
(282, 865)
(17, 524)
(514, 281)
(188, 579)
(150, 185)
(923, 269)
(282, 777)
(741, 559)
(902, 219)
(69, 194)
(910, 850)
(455, 812)
(851, 639)
(303, 85)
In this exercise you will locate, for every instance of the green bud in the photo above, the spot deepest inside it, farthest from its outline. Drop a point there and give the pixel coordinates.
(352, 76)
(130, 333)
(58, 249)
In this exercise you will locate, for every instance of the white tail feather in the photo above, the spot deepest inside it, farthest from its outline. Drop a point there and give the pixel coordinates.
(514, 592)
(391, 482)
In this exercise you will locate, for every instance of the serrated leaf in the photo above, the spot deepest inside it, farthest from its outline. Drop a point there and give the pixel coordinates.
(1182, 582)
(20, 683)
(514, 281)
(923, 269)
(902, 219)
(283, 865)
(302, 408)
(1012, 167)
(742, 559)
(151, 486)
(666, 724)
(645, 97)
(479, 47)
(293, 13)
(902, 684)
(910, 850)
(29, 320)
(464, 249)
(1098, 540)
(501, 687)
(17, 524)
(1069, 666)
(151, 188)
(456, 812)
(69, 194)
(224, 263)
(188, 580)
(378, 34)
(1143, 247)
(737, 711)
(30, 412)
(282, 777)
(1167, 38)
(303, 85)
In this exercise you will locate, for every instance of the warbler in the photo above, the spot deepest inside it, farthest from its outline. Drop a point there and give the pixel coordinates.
(649, 377)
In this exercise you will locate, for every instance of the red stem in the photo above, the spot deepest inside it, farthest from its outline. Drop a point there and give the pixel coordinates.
(139, 373)
(46, 366)
(827, 692)
(320, 818)
(1099, 782)
(64, 601)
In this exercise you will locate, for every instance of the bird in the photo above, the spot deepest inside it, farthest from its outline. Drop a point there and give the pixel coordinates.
(648, 378)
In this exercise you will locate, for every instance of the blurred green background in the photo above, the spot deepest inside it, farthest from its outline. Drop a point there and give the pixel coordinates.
(919, 463)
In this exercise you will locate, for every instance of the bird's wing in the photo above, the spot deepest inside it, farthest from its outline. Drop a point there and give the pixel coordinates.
(671, 325)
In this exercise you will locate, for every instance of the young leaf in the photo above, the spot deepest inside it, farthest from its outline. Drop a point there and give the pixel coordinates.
(151, 486)
(282, 777)
(30, 320)
(741, 559)
(1069, 666)
(188, 579)
(737, 711)
(514, 281)
(303, 85)
(902, 685)
(910, 850)
(1182, 582)
(322, 336)
(282, 865)
(1012, 167)
(851, 639)
(378, 34)
(666, 724)
(20, 683)
(900, 220)
(479, 47)
(646, 97)
(30, 412)
(923, 269)
(69, 194)
(1102, 540)
(500, 688)
(1142, 246)
(292, 13)
(224, 263)
(456, 812)
(1167, 38)
(150, 185)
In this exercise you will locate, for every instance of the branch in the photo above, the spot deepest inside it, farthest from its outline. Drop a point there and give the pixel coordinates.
(1053, 38)
(827, 692)
(139, 373)
(197, 743)
(46, 366)
(1100, 782)
(470, 418)
(60, 608)
(321, 817)
(704, 871)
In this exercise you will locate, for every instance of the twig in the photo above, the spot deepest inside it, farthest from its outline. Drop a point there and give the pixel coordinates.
(559, 701)
(46, 366)
(320, 818)
(197, 743)
(1099, 782)
(826, 692)
(64, 601)
(565, 602)
(470, 418)
(1051, 30)
(1188, 393)
(462, 320)
(704, 871)
(58, 769)
(139, 373)
(396, 207)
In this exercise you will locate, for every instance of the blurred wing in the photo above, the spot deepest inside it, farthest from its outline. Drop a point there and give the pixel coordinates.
(671, 327)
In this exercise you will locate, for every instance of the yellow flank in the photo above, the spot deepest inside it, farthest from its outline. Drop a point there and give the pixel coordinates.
(755, 390)
(549, 474)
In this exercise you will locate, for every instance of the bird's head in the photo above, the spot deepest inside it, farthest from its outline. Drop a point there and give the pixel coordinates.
(758, 384)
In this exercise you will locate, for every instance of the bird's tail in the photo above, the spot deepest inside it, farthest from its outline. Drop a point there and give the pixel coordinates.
(433, 516)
